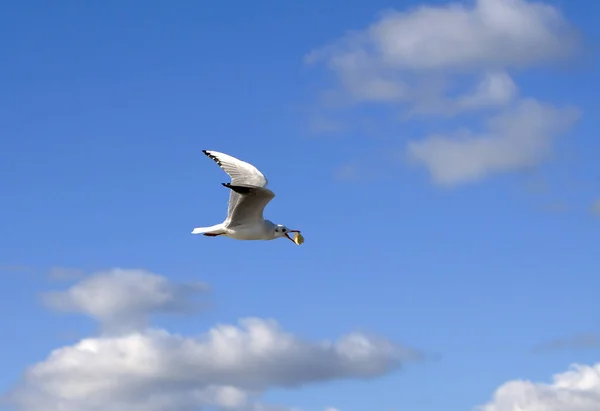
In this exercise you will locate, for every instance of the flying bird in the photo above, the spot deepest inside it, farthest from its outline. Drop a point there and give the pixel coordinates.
(248, 198)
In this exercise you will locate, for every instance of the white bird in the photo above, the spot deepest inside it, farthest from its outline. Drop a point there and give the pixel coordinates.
(247, 199)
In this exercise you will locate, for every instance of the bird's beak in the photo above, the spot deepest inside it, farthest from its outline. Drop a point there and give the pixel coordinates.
(290, 238)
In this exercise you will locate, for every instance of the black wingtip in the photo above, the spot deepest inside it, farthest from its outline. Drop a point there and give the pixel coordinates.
(213, 157)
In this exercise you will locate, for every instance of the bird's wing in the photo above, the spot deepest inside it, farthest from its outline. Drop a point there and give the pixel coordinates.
(249, 207)
(241, 173)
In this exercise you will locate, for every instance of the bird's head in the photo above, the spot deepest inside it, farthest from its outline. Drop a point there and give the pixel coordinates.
(281, 230)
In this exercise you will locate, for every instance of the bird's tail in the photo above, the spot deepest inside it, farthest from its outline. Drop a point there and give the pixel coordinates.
(211, 231)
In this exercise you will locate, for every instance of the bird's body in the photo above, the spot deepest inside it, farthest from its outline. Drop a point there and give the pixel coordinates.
(248, 197)
(239, 232)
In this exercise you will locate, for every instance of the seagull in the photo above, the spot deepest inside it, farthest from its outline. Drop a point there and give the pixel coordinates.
(247, 199)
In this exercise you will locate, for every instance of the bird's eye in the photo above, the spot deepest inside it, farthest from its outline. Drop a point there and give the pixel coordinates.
(284, 230)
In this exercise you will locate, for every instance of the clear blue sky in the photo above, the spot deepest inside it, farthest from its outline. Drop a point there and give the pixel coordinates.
(104, 112)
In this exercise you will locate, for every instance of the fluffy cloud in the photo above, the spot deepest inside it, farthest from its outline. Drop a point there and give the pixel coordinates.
(122, 299)
(393, 58)
(441, 61)
(228, 367)
(520, 137)
(382, 62)
(156, 370)
(575, 390)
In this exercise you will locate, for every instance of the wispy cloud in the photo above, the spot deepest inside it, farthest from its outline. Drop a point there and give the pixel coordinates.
(15, 268)
(557, 207)
(595, 209)
(580, 341)
(323, 125)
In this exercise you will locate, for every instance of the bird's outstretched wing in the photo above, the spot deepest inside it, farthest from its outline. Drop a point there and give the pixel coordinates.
(242, 174)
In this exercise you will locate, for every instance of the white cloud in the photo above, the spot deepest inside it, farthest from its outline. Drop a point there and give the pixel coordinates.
(155, 370)
(494, 89)
(145, 369)
(397, 57)
(122, 299)
(520, 137)
(442, 61)
(575, 390)
(484, 34)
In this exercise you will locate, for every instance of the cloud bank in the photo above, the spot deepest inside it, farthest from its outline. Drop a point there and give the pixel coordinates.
(134, 367)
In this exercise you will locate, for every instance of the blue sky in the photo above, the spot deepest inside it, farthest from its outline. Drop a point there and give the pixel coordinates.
(424, 225)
